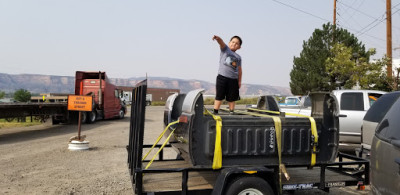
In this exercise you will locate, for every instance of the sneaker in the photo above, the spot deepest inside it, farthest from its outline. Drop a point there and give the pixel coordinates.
(231, 113)
(215, 111)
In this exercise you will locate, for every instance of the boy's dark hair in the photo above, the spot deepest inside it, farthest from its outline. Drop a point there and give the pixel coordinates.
(240, 40)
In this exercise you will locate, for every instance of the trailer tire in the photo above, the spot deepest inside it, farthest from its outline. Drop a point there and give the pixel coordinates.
(121, 113)
(251, 185)
(91, 117)
(55, 121)
(83, 117)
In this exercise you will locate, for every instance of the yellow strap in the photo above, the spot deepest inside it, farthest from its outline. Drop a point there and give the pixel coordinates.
(278, 134)
(313, 131)
(165, 142)
(217, 161)
(159, 138)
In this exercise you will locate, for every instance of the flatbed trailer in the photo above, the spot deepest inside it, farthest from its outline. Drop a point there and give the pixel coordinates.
(178, 176)
(40, 110)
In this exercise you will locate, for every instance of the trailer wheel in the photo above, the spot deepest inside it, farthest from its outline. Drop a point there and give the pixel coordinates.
(54, 120)
(83, 117)
(249, 185)
(9, 119)
(91, 117)
(121, 113)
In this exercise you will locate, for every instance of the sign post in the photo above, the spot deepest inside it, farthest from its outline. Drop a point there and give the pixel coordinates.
(81, 103)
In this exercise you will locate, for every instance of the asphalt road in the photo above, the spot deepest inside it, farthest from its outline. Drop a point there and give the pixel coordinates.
(35, 160)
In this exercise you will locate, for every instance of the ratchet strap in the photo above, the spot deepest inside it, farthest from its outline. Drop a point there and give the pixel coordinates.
(278, 134)
(313, 131)
(158, 140)
(217, 161)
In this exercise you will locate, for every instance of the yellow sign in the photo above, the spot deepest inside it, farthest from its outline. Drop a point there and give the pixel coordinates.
(80, 103)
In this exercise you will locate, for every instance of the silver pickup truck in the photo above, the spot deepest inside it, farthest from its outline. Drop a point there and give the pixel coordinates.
(353, 104)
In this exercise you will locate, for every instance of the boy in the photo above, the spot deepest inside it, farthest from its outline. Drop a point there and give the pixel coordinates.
(229, 77)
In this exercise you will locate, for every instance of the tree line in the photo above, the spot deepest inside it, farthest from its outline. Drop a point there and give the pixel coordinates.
(21, 95)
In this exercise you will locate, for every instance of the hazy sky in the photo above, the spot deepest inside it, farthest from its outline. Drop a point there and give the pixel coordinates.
(171, 38)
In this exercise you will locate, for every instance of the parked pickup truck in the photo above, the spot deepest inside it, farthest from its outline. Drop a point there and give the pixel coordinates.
(353, 104)
(240, 153)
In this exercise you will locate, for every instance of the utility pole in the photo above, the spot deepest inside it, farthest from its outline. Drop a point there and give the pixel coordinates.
(389, 36)
(334, 12)
(334, 20)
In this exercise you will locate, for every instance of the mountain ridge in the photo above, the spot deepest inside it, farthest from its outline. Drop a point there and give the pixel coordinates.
(37, 83)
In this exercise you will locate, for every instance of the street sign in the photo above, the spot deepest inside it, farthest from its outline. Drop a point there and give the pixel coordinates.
(80, 103)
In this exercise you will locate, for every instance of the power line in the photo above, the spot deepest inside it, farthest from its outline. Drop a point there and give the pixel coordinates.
(357, 10)
(347, 12)
(364, 34)
(379, 20)
(376, 20)
(300, 10)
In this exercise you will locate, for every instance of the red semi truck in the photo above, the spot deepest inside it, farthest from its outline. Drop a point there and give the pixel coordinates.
(106, 104)
(106, 96)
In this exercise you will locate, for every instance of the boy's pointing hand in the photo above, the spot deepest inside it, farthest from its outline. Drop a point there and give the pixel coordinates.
(219, 40)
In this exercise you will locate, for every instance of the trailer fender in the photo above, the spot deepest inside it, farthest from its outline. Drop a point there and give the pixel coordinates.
(227, 174)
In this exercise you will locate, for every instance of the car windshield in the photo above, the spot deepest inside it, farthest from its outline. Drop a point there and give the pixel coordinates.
(291, 101)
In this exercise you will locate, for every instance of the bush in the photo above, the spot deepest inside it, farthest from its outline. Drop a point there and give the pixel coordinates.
(245, 101)
(22, 95)
(158, 103)
(210, 101)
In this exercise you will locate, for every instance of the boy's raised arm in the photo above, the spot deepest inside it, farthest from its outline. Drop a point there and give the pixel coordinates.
(219, 40)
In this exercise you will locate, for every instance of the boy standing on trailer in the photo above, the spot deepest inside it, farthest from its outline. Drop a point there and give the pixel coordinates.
(229, 78)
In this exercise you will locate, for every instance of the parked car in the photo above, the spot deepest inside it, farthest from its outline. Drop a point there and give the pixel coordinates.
(371, 120)
(291, 101)
(385, 152)
(303, 106)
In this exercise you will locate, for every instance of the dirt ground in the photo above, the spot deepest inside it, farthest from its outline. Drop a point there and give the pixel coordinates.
(36, 160)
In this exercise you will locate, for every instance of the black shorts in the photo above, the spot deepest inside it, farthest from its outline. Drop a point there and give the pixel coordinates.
(227, 88)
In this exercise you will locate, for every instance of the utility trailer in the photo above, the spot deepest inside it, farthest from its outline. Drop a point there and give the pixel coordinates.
(262, 174)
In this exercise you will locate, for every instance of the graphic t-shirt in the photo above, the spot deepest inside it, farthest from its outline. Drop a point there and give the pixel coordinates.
(228, 63)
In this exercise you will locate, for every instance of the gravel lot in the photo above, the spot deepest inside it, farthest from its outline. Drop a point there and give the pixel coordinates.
(36, 160)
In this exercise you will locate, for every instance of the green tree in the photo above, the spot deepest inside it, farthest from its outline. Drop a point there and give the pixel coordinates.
(309, 69)
(345, 72)
(22, 95)
(2, 94)
(339, 66)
